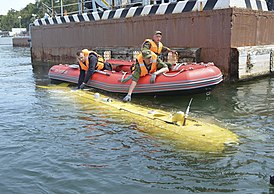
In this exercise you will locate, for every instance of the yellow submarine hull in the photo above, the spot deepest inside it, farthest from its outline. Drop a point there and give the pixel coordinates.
(195, 135)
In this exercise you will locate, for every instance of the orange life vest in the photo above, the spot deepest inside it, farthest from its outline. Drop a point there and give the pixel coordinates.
(85, 66)
(154, 47)
(143, 66)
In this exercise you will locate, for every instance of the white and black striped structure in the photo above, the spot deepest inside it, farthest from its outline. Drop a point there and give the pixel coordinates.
(157, 9)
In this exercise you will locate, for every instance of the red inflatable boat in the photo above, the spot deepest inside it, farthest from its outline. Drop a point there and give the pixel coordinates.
(183, 77)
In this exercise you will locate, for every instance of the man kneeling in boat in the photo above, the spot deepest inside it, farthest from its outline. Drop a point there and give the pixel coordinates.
(147, 62)
(89, 61)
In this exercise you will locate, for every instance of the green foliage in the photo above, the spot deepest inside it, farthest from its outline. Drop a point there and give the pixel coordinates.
(33, 11)
(12, 19)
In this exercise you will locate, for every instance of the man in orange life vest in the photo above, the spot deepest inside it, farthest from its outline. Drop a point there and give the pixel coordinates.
(89, 61)
(147, 62)
(155, 44)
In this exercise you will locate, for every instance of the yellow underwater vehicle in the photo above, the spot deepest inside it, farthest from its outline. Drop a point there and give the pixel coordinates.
(190, 133)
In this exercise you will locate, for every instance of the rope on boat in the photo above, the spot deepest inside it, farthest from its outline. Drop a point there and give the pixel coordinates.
(173, 75)
(102, 72)
(124, 74)
(178, 65)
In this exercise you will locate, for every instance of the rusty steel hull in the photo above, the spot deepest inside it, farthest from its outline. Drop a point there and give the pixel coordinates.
(216, 32)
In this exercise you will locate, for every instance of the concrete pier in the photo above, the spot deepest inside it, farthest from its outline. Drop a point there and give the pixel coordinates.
(21, 41)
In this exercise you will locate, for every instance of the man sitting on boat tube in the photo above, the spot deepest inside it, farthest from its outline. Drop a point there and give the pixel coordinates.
(89, 61)
(155, 44)
(147, 63)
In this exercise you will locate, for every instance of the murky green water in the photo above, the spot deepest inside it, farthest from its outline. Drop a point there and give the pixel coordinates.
(51, 144)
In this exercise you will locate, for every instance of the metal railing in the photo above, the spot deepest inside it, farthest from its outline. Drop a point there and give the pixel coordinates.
(63, 9)
(87, 6)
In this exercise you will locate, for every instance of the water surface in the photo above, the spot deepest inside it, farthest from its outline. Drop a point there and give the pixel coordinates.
(50, 143)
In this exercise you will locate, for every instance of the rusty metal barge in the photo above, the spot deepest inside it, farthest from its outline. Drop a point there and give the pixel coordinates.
(236, 35)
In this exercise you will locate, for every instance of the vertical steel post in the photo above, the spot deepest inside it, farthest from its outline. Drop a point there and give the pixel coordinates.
(62, 12)
(80, 6)
(52, 8)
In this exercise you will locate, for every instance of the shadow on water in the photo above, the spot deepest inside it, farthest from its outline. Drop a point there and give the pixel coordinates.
(40, 71)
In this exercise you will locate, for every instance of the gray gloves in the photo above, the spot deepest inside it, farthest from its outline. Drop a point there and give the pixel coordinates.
(82, 86)
(127, 98)
(153, 78)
